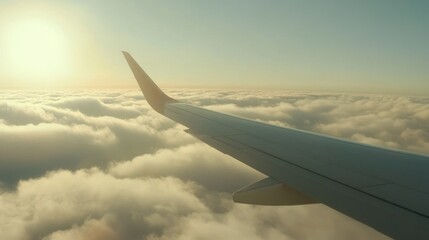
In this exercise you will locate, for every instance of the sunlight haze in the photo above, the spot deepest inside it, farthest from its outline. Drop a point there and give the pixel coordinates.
(330, 46)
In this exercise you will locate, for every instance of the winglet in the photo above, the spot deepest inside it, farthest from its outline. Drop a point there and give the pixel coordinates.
(154, 96)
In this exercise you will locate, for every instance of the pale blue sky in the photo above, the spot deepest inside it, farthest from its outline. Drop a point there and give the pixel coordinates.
(367, 46)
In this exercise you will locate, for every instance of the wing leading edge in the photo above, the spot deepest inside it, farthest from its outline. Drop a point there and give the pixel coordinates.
(385, 189)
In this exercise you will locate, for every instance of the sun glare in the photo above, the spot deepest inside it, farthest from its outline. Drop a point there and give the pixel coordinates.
(35, 50)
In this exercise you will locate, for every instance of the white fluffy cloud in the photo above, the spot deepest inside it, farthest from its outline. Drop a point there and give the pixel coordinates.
(90, 204)
(63, 200)
(195, 162)
(37, 135)
(391, 121)
(102, 165)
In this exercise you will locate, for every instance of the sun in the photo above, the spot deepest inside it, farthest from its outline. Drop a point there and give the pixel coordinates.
(36, 50)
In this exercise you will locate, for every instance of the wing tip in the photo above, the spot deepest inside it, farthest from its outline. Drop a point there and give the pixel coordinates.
(153, 94)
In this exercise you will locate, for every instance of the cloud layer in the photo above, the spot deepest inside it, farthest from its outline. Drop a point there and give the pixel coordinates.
(103, 165)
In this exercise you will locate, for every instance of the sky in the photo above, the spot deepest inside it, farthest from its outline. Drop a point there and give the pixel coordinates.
(353, 46)
(83, 156)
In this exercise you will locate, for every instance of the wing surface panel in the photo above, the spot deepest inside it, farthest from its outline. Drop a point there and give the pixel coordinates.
(379, 163)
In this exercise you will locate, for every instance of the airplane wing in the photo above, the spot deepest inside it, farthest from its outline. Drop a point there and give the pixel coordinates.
(385, 189)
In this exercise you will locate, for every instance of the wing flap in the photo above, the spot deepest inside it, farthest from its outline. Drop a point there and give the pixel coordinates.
(270, 192)
(414, 200)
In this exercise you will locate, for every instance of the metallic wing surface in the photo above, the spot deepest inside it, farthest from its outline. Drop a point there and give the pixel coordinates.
(385, 189)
